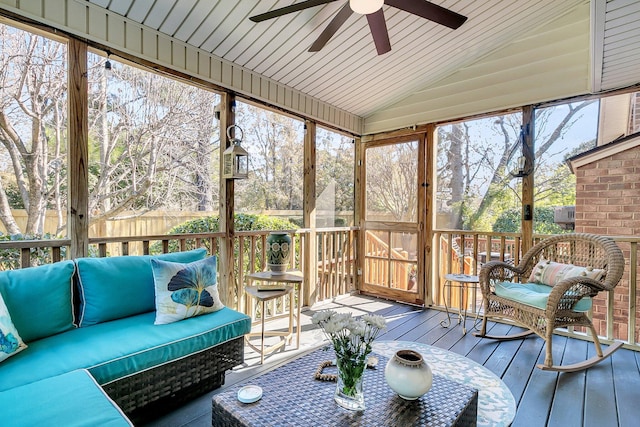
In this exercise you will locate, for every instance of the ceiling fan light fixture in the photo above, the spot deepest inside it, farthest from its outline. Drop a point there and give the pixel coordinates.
(365, 7)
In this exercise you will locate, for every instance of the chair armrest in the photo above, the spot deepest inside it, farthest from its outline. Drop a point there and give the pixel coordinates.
(566, 293)
(496, 271)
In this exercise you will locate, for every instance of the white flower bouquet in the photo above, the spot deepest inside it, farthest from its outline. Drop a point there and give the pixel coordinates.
(351, 339)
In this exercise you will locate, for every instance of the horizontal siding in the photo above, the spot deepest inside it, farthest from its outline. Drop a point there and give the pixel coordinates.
(616, 44)
(103, 26)
(548, 63)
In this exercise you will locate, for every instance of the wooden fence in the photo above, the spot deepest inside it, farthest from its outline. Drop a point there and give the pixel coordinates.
(155, 223)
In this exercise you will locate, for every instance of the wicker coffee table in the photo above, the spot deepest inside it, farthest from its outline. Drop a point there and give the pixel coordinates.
(293, 397)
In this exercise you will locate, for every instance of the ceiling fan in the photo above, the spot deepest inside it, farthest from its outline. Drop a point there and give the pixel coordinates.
(375, 17)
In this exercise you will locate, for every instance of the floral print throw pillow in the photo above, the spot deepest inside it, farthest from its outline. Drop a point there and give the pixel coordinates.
(185, 290)
(10, 341)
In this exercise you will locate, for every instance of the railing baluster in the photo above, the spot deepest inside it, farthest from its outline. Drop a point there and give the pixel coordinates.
(56, 254)
(25, 257)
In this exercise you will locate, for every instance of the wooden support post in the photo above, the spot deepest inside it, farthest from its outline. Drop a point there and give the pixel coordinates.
(359, 207)
(226, 209)
(528, 151)
(310, 294)
(78, 210)
(427, 176)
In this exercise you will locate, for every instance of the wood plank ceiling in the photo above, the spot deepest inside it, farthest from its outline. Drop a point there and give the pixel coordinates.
(348, 74)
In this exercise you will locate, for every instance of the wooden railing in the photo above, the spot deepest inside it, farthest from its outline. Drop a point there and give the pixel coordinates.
(336, 261)
(615, 316)
(377, 254)
(335, 258)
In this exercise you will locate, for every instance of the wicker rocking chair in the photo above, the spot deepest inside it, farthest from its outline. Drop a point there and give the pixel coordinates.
(549, 290)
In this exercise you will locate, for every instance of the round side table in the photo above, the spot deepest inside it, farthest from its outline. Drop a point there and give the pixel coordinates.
(465, 282)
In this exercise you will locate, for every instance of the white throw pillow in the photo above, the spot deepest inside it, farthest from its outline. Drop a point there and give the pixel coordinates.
(550, 272)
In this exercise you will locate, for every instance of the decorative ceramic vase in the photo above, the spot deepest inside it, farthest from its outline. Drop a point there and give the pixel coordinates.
(408, 375)
(350, 379)
(278, 248)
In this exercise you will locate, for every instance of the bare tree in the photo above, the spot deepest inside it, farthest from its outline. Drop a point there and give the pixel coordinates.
(32, 125)
(392, 180)
(461, 159)
(275, 145)
(155, 138)
(151, 138)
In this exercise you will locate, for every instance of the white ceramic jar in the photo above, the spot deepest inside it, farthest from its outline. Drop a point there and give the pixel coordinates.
(408, 375)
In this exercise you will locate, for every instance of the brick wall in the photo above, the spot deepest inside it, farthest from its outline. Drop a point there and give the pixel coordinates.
(608, 203)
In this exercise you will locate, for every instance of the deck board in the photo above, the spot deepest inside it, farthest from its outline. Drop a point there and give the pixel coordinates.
(600, 395)
(537, 397)
(627, 386)
(569, 392)
(605, 395)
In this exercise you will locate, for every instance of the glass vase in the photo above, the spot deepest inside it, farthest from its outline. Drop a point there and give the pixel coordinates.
(349, 392)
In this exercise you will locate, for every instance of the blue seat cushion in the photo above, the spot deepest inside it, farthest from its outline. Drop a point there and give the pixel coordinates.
(39, 299)
(122, 347)
(71, 400)
(116, 287)
(534, 294)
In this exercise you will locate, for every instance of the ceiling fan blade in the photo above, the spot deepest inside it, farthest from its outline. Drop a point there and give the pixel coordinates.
(379, 31)
(335, 24)
(288, 9)
(430, 11)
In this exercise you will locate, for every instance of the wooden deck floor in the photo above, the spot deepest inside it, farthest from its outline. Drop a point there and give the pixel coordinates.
(603, 396)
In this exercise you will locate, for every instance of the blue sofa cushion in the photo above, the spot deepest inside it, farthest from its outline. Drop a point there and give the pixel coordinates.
(534, 294)
(39, 299)
(185, 290)
(122, 347)
(71, 400)
(116, 287)
(10, 340)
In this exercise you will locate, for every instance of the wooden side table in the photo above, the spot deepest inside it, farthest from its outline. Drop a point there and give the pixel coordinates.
(292, 281)
(464, 282)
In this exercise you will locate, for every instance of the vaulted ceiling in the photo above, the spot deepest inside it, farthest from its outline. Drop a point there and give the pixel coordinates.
(508, 53)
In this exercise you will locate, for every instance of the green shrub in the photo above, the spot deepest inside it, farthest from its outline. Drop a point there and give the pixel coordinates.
(211, 224)
(242, 222)
(509, 221)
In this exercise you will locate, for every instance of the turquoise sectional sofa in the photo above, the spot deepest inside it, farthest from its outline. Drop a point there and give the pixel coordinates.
(94, 355)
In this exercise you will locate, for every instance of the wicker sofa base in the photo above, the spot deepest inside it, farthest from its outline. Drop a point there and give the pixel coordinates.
(167, 386)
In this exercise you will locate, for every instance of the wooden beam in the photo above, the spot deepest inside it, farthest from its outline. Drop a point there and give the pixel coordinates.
(78, 210)
(528, 151)
(310, 294)
(358, 208)
(427, 178)
(227, 208)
